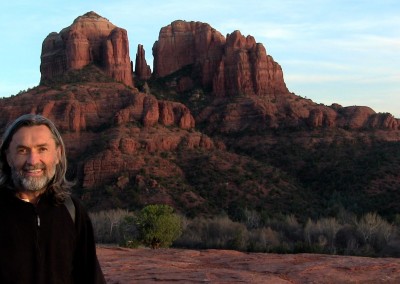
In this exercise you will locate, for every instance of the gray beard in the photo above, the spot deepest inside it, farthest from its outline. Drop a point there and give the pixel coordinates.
(33, 184)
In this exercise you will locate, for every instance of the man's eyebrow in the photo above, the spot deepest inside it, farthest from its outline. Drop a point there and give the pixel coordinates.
(22, 146)
(42, 145)
(36, 146)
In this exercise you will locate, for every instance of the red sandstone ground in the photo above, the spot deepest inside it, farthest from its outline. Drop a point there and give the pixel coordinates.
(122, 265)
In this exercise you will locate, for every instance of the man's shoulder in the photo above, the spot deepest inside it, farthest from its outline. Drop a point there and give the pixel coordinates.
(75, 204)
(69, 203)
(6, 194)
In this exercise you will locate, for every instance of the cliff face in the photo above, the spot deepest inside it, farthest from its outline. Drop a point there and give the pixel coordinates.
(231, 66)
(91, 39)
(247, 69)
(188, 43)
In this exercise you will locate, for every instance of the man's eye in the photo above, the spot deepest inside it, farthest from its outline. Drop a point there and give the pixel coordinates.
(42, 150)
(22, 151)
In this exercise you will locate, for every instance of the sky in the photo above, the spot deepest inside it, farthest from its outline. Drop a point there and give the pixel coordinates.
(331, 51)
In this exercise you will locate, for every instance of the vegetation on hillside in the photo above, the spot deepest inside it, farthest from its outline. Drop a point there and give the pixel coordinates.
(368, 235)
(361, 176)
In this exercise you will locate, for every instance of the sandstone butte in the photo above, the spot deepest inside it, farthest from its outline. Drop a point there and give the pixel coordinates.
(90, 39)
(122, 265)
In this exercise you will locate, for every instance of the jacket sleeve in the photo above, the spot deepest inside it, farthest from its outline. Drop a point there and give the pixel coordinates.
(86, 265)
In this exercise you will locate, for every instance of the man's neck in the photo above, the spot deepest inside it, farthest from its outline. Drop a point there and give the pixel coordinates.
(29, 196)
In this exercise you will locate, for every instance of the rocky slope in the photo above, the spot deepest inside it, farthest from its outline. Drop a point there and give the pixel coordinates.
(219, 266)
(213, 128)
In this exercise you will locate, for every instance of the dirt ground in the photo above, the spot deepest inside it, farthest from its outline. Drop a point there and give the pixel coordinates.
(122, 265)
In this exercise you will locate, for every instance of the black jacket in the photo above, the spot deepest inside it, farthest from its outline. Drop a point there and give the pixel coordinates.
(42, 244)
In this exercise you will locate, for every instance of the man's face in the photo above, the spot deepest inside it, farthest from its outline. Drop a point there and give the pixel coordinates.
(32, 156)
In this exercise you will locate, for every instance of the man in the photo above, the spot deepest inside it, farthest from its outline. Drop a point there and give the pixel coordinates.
(44, 237)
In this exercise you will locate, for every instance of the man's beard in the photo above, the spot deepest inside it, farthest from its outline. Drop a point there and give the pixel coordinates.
(33, 184)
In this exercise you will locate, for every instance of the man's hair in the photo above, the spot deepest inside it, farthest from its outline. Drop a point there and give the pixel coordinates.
(58, 187)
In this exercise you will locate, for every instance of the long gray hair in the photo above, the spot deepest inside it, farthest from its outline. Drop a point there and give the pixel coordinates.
(58, 187)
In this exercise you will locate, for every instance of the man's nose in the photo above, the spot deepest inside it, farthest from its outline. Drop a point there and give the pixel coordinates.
(33, 158)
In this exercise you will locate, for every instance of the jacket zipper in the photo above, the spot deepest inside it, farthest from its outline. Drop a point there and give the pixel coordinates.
(39, 268)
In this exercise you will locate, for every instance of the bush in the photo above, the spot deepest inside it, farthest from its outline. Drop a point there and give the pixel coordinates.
(289, 227)
(221, 232)
(349, 240)
(158, 226)
(376, 231)
(217, 233)
(322, 234)
(106, 225)
(128, 232)
(263, 240)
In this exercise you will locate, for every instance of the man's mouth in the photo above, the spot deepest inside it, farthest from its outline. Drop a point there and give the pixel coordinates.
(33, 172)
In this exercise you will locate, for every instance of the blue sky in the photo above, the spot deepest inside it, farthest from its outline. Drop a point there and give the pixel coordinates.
(331, 51)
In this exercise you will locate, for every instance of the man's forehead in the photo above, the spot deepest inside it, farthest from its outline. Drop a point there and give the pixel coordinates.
(39, 134)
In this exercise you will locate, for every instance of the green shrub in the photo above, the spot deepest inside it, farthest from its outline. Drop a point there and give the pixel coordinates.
(158, 226)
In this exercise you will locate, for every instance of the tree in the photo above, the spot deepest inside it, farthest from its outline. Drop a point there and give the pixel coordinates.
(375, 230)
(158, 226)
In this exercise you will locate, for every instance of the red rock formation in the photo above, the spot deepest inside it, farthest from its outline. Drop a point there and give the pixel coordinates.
(150, 111)
(322, 117)
(384, 121)
(147, 110)
(172, 113)
(237, 65)
(91, 39)
(116, 56)
(250, 84)
(142, 70)
(183, 44)
(126, 152)
(254, 113)
(247, 70)
(355, 117)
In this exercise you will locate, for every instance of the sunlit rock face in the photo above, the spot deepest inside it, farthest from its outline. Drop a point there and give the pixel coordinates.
(91, 39)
